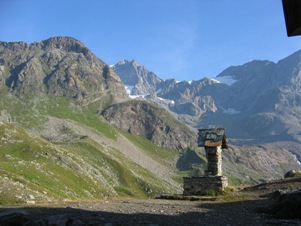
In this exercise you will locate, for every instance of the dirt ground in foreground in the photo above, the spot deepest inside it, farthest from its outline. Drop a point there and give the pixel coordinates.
(240, 206)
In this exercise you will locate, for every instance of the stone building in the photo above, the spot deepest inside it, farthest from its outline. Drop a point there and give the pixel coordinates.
(214, 141)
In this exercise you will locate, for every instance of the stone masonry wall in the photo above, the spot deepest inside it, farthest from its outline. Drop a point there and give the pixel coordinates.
(203, 185)
(214, 157)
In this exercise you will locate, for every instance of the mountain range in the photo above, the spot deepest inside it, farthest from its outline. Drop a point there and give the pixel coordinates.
(257, 102)
(70, 128)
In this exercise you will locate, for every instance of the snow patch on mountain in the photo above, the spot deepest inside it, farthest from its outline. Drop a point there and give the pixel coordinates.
(158, 91)
(230, 111)
(297, 160)
(228, 80)
(137, 96)
(128, 89)
(129, 92)
(166, 100)
(214, 80)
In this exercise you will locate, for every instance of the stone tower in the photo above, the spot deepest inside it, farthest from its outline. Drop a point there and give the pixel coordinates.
(214, 141)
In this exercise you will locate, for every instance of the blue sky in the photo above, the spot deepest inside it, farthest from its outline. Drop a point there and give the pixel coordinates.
(182, 39)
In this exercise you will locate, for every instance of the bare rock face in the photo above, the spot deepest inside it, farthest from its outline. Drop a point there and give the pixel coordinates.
(156, 124)
(133, 74)
(60, 66)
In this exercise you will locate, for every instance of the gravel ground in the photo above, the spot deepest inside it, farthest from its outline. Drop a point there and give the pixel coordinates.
(238, 207)
(147, 212)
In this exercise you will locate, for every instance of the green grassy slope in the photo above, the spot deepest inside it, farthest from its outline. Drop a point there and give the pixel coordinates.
(57, 150)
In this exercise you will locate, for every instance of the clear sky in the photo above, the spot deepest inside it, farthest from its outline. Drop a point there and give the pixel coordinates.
(181, 39)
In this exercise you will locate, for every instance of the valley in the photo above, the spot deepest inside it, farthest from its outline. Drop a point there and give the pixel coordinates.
(70, 131)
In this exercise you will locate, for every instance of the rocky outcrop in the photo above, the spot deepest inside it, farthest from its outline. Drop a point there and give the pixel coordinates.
(156, 124)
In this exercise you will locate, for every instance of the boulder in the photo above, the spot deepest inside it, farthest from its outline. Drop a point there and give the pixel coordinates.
(291, 173)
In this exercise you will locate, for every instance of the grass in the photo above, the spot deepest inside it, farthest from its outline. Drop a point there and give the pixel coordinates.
(154, 151)
(38, 163)
(82, 169)
(211, 193)
(131, 179)
(8, 198)
(230, 194)
(60, 107)
(33, 112)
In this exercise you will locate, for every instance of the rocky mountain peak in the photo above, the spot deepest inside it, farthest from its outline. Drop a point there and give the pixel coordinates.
(63, 43)
(59, 66)
(66, 44)
(133, 62)
(141, 79)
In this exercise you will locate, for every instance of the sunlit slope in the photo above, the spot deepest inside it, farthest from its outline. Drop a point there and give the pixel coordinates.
(52, 149)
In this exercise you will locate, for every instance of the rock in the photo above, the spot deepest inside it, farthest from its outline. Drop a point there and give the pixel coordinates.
(31, 197)
(30, 202)
(291, 173)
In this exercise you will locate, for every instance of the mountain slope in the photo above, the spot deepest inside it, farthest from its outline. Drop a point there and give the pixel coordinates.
(74, 153)
(156, 124)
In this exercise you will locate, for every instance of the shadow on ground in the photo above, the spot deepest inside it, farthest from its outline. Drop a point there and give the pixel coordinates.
(174, 213)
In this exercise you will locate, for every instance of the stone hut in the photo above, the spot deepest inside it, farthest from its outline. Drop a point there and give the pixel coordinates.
(214, 141)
